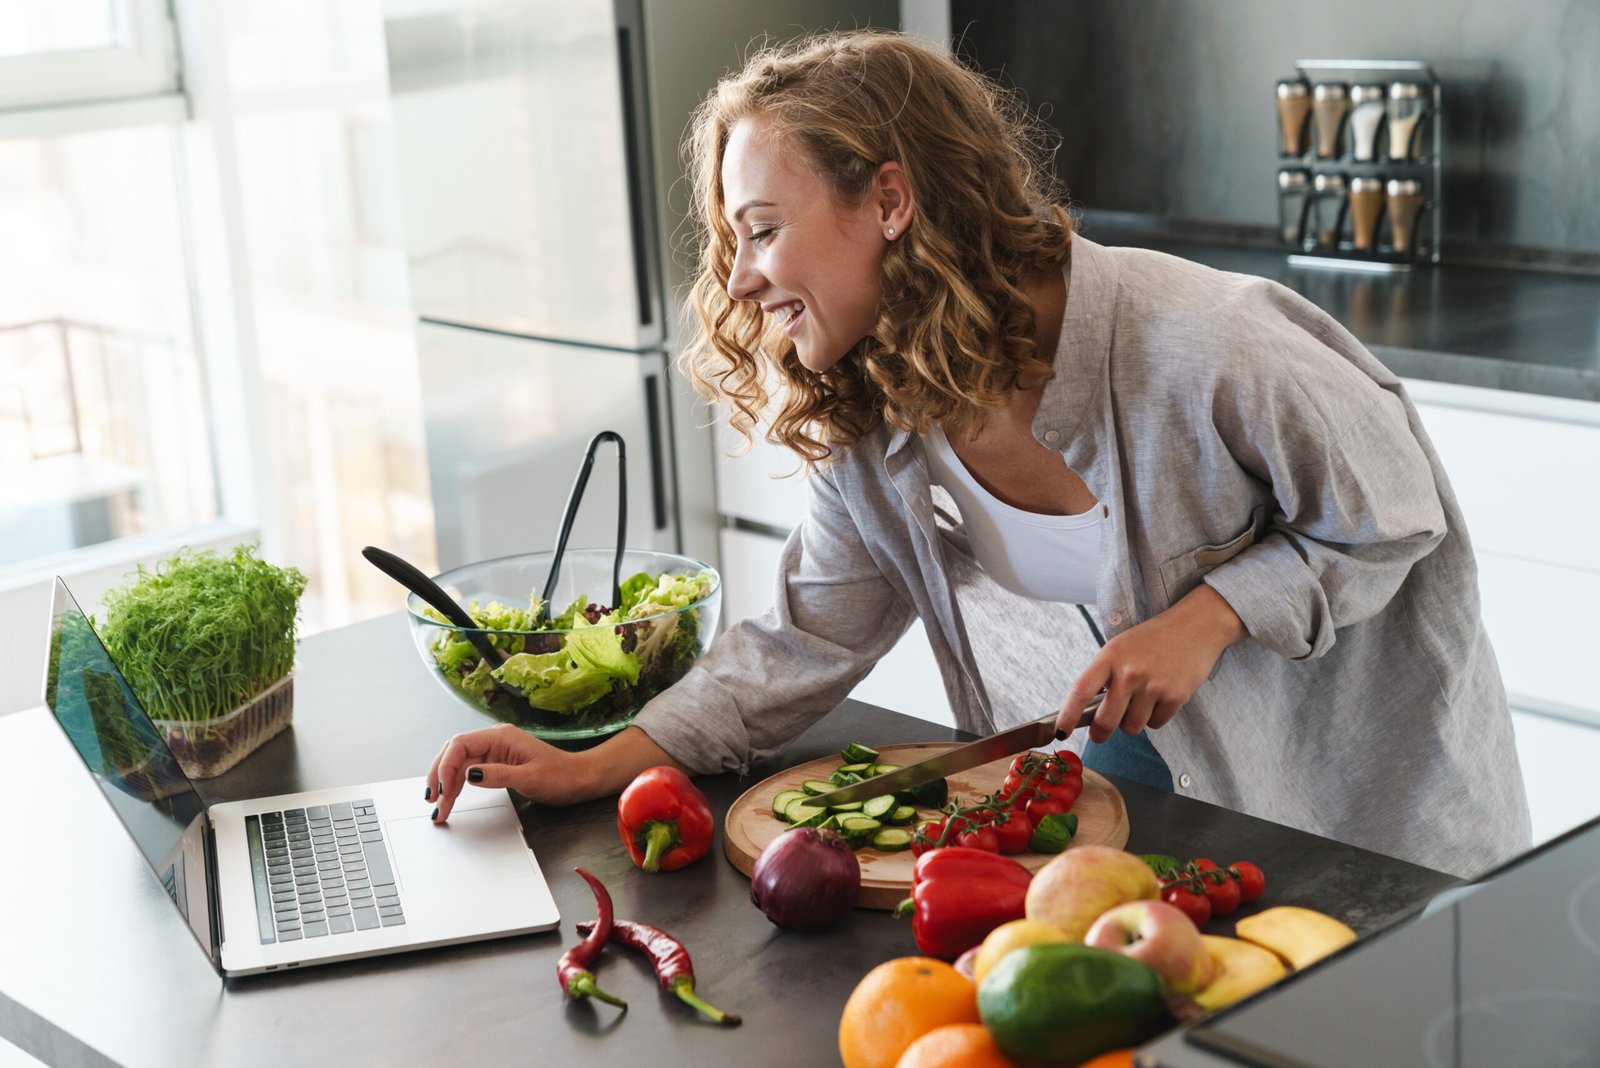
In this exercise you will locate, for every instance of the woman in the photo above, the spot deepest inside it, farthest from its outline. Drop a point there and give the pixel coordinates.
(1286, 590)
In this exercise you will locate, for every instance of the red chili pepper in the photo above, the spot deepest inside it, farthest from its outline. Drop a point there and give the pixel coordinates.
(664, 820)
(671, 961)
(577, 981)
(959, 895)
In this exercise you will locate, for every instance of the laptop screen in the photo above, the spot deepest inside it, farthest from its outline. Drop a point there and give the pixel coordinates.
(129, 761)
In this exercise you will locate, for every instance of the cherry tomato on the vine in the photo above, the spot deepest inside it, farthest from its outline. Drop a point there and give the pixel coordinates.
(1040, 807)
(1067, 791)
(978, 837)
(1195, 906)
(930, 832)
(1252, 881)
(1015, 833)
(1222, 890)
(1020, 762)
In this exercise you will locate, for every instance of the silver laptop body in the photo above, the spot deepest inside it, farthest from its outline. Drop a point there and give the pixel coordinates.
(298, 879)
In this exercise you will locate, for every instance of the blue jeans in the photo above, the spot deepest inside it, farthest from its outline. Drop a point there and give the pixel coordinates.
(1131, 757)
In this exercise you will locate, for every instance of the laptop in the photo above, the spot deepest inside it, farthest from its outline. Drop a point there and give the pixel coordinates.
(297, 879)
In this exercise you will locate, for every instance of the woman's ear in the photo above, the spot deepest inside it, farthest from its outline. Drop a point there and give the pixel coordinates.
(895, 203)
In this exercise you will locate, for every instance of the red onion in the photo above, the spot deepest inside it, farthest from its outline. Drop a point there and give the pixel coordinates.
(806, 879)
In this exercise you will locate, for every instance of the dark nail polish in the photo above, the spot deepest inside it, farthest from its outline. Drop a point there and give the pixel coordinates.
(427, 793)
(435, 815)
(438, 787)
(1061, 735)
(474, 774)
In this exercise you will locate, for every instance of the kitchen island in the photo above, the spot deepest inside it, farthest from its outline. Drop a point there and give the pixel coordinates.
(97, 967)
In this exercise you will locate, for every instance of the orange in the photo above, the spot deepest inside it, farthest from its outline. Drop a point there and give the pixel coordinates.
(897, 1003)
(1113, 1058)
(961, 1045)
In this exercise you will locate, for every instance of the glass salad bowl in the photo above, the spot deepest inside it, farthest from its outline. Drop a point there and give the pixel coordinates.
(586, 671)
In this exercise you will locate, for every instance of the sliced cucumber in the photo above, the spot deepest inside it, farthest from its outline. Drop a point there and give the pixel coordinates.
(859, 826)
(878, 807)
(902, 815)
(848, 806)
(801, 809)
(892, 840)
(783, 800)
(817, 786)
(844, 778)
(854, 769)
(884, 769)
(856, 753)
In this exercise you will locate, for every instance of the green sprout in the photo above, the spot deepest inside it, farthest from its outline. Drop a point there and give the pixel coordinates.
(203, 633)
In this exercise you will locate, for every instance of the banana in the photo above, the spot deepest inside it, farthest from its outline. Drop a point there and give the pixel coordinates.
(1242, 968)
(1300, 936)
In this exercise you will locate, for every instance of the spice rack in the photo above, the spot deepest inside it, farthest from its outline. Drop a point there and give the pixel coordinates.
(1360, 176)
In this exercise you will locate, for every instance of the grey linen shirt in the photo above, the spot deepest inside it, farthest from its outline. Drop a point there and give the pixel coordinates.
(1238, 436)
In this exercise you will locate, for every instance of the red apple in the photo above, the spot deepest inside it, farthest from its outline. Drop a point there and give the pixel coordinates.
(1080, 884)
(1160, 935)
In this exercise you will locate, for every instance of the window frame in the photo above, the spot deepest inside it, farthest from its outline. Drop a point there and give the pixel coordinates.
(146, 64)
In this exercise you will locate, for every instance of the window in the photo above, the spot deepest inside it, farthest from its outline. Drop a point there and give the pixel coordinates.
(103, 425)
(205, 324)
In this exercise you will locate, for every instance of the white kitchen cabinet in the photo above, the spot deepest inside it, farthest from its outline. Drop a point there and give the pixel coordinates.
(1526, 470)
(1558, 760)
(762, 486)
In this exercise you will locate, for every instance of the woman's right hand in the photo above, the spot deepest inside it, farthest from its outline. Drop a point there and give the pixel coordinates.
(510, 758)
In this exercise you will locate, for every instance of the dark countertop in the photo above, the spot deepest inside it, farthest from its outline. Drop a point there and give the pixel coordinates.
(106, 973)
(1516, 329)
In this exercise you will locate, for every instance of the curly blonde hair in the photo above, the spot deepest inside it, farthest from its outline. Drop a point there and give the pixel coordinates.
(955, 331)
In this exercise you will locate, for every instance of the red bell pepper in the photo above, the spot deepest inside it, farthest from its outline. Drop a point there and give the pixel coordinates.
(664, 820)
(959, 895)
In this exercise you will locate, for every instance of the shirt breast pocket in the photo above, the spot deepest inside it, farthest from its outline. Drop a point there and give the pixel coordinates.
(1183, 572)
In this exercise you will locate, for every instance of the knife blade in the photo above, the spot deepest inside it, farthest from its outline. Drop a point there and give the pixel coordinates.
(962, 757)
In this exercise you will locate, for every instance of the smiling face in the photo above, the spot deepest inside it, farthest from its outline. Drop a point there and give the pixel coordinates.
(813, 263)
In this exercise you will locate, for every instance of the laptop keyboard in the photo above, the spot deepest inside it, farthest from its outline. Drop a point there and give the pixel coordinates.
(321, 870)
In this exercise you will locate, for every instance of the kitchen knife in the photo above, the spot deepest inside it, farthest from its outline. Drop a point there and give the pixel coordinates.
(962, 757)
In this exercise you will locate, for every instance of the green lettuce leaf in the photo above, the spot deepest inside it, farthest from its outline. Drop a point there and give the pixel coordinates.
(528, 671)
(600, 647)
(634, 589)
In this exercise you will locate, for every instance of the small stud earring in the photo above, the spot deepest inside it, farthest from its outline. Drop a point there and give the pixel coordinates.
(891, 231)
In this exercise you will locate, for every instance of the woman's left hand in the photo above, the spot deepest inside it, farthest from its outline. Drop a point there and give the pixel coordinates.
(1151, 670)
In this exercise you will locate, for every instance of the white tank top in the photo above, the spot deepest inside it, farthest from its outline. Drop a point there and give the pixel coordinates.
(1046, 557)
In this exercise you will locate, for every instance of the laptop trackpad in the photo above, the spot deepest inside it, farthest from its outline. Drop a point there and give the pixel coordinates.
(478, 846)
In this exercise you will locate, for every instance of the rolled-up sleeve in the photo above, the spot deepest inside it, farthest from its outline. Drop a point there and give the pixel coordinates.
(770, 677)
(1357, 503)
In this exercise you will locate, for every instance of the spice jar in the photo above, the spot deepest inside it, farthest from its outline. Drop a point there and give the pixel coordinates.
(1366, 208)
(1329, 192)
(1407, 106)
(1294, 115)
(1294, 197)
(1367, 107)
(1330, 103)
(1405, 201)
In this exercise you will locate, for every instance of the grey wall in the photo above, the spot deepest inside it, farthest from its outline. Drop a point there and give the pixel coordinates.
(1165, 106)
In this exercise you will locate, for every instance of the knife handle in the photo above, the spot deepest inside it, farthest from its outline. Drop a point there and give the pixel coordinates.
(1086, 717)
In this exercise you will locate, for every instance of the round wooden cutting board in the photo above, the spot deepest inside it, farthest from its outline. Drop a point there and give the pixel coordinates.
(886, 877)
